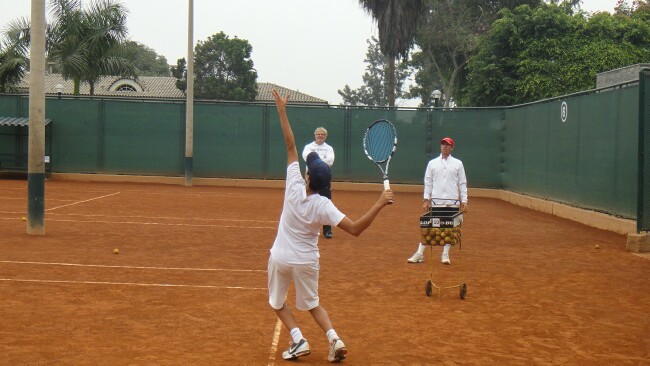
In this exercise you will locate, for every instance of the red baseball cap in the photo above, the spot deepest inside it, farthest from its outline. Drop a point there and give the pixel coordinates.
(447, 140)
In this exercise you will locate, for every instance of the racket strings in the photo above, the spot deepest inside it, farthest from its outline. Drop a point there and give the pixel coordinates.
(380, 141)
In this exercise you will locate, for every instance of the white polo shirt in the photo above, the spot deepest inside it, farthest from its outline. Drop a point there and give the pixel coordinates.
(302, 218)
(445, 182)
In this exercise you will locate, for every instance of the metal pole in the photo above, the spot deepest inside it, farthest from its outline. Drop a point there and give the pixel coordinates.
(189, 109)
(36, 148)
(643, 174)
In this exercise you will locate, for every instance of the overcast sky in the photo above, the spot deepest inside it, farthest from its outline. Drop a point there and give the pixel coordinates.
(314, 46)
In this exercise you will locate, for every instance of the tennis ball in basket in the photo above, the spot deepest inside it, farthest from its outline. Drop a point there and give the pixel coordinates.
(116, 251)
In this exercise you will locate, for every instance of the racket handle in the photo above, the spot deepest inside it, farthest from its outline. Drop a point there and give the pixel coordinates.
(387, 187)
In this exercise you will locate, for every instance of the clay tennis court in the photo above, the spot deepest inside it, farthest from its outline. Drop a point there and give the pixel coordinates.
(188, 286)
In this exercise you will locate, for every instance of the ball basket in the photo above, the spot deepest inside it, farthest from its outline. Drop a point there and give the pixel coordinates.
(438, 227)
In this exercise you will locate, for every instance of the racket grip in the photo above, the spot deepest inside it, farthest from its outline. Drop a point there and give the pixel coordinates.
(387, 187)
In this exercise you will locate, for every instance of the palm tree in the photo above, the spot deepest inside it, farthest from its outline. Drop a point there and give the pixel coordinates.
(83, 44)
(397, 22)
(86, 44)
(13, 51)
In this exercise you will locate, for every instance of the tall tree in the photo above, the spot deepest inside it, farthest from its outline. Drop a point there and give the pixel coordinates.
(374, 90)
(447, 39)
(84, 44)
(180, 73)
(397, 22)
(532, 54)
(223, 69)
(623, 7)
(14, 48)
(145, 60)
(89, 43)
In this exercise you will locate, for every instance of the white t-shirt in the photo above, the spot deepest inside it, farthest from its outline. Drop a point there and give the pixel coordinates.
(302, 218)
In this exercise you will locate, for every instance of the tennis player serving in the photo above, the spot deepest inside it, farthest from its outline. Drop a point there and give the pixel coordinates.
(294, 255)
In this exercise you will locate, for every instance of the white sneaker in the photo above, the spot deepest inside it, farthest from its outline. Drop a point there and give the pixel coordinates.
(416, 258)
(296, 350)
(337, 351)
(445, 259)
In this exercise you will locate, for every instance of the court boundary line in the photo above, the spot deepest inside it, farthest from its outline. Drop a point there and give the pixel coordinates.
(131, 284)
(159, 223)
(88, 200)
(147, 223)
(134, 267)
(149, 217)
(276, 340)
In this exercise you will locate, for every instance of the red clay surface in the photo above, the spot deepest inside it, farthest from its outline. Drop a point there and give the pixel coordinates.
(188, 286)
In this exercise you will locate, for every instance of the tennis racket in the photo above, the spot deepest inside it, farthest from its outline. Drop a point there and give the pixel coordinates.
(379, 144)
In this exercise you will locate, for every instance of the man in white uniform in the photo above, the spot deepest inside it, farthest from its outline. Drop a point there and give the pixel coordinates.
(326, 153)
(294, 255)
(445, 185)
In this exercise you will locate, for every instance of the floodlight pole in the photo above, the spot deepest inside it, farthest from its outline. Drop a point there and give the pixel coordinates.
(189, 105)
(36, 143)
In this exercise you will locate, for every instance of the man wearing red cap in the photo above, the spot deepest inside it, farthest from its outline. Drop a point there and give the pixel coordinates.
(445, 185)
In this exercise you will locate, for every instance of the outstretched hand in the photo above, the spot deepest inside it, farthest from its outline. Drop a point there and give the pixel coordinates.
(280, 101)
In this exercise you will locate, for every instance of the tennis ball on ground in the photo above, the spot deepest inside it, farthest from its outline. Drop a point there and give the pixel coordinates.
(597, 246)
(116, 251)
(23, 218)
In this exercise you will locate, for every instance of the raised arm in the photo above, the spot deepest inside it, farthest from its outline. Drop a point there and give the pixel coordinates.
(289, 140)
(357, 227)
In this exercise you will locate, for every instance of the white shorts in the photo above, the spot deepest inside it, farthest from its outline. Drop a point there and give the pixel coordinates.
(305, 279)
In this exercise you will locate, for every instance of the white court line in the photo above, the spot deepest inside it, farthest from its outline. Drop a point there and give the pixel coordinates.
(134, 216)
(160, 223)
(151, 217)
(133, 284)
(274, 345)
(135, 267)
(23, 199)
(155, 223)
(88, 200)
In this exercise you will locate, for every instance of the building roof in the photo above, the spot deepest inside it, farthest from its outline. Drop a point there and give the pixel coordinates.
(18, 121)
(153, 87)
(264, 94)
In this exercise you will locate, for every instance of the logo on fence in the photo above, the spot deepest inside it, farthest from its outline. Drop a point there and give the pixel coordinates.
(564, 111)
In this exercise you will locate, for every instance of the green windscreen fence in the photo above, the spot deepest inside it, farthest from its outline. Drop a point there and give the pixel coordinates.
(643, 214)
(579, 150)
(582, 150)
(135, 142)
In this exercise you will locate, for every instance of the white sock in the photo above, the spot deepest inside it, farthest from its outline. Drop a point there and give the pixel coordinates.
(421, 249)
(331, 335)
(445, 249)
(296, 334)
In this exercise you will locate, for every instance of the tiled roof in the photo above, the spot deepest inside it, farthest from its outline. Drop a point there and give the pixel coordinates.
(264, 94)
(154, 87)
(18, 121)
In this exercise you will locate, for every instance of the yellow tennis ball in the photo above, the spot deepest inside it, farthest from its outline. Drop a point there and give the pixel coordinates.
(116, 251)
(23, 218)
(597, 246)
